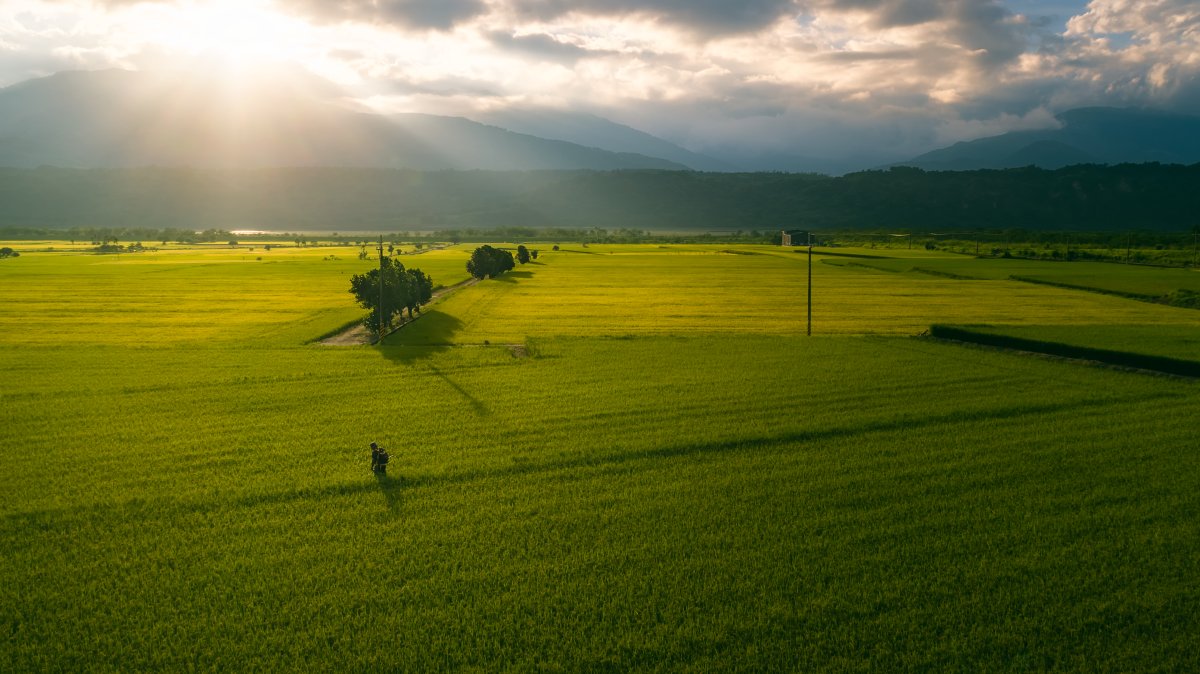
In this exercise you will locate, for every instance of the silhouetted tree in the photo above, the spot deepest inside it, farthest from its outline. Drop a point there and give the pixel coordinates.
(522, 254)
(487, 261)
(402, 289)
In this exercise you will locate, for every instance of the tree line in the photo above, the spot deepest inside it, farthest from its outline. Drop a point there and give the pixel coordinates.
(457, 203)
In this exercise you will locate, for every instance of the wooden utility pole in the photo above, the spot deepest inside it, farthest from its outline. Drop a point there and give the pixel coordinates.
(810, 245)
(379, 311)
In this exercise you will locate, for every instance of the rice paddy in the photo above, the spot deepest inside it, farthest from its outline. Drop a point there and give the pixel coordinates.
(667, 475)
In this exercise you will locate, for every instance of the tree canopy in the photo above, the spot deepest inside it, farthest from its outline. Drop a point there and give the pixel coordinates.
(402, 289)
(487, 261)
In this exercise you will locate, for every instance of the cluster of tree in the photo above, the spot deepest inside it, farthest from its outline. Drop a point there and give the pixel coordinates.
(8, 252)
(524, 255)
(99, 236)
(487, 261)
(402, 289)
(546, 205)
(114, 247)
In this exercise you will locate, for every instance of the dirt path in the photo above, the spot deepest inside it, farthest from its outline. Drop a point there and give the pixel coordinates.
(359, 334)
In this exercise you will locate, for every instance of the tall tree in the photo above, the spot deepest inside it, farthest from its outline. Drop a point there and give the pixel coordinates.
(399, 291)
(522, 254)
(420, 290)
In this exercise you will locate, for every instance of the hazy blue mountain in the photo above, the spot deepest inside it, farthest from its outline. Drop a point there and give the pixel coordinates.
(592, 131)
(1086, 135)
(119, 118)
(785, 162)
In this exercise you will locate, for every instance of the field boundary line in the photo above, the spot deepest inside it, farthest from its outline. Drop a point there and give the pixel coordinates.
(1182, 299)
(1124, 361)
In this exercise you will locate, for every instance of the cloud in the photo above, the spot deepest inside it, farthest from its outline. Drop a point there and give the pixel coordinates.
(888, 13)
(703, 17)
(815, 77)
(544, 46)
(414, 14)
(445, 87)
(1137, 53)
(1160, 22)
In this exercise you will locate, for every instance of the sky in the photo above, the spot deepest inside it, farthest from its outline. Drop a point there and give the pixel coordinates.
(820, 78)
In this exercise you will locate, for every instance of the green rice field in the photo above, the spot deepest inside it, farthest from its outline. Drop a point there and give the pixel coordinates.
(619, 458)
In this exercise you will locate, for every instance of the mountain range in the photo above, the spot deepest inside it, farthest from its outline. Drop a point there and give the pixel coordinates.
(119, 118)
(1084, 136)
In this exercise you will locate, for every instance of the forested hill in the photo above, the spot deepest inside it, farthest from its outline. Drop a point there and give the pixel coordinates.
(1143, 196)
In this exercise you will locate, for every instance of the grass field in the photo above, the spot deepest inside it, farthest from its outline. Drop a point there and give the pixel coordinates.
(694, 290)
(1171, 341)
(669, 476)
(214, 294)
(1117, 278)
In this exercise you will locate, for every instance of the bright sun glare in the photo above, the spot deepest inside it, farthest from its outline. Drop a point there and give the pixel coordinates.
(225, 33)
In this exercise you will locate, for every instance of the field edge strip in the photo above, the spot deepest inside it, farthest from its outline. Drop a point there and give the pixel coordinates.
(1184, 299)
(1162, 364)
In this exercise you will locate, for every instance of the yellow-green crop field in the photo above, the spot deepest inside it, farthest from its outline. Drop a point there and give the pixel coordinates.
(664, 474)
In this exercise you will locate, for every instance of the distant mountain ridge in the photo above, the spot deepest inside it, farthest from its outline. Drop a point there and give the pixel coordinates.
(1085, 136)
(592, 131)
(117, 118)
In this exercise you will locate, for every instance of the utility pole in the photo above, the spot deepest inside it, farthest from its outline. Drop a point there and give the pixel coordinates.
(810, 245)
(379, 311)
(1128, 246)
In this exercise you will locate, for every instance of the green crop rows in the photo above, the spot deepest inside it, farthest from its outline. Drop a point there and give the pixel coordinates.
(665, 474)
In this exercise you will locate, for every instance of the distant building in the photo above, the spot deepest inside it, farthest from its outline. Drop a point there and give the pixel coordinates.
(793, 237)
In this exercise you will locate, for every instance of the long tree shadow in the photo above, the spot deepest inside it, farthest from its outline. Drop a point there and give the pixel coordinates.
(431, 333)
(393, 486)
(475, 403)
(514, 276)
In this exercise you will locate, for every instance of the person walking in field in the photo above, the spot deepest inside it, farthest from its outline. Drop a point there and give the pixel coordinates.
(379, 459)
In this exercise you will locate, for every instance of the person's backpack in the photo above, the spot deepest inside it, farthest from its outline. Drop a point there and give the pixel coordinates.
(383, 458)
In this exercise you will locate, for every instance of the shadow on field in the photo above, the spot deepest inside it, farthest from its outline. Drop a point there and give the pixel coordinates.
(476, 403)
(431, 333)
(514, 276)
(391, 487)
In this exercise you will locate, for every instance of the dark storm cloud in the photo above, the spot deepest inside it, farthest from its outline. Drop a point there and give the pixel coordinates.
(986, 27)
(890, 13)
(706, 17)
(418, 14)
